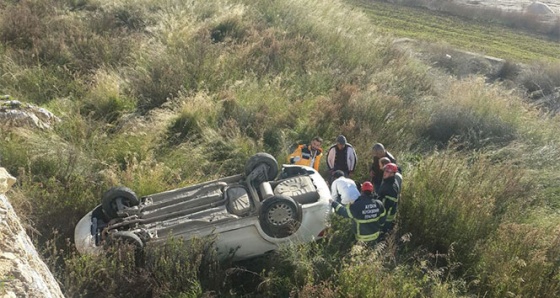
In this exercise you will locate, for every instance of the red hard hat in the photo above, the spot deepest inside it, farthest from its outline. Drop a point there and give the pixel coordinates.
(391, 167)
(367, 186)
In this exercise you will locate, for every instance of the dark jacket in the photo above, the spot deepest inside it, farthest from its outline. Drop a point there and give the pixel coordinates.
(367, 214)
(344, 160)
(376, 172)
(389, 194)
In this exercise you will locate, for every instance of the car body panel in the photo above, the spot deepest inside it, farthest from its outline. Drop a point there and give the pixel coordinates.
(228, 208)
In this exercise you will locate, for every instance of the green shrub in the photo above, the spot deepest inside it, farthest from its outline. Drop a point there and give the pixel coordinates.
(147, 176)
(449, 200)
(106, 100)
(228, 156)
(402, 76)
(186, 267)
(196, 115)
(474, 117)
(508, 71)
(21, 23)
(59, 185)
(39, 29)
(229, 29)
(364, 274)
(13, 151)
(520, 260)
(176, 268)
(91, 51)
(464, 126)
(254, 107)
(273, 142)
(295, 266)
(120, 16)
(40, 85)
(540, 79)
(459, 63)
(161, 79)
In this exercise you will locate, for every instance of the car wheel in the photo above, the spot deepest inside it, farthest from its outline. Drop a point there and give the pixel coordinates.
(116, 199)
(260, 159)
(280, 216)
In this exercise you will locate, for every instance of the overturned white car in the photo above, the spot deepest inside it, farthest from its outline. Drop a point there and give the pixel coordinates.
(250, 214)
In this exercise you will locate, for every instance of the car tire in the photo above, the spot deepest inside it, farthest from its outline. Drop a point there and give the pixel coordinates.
(110, 197)
(280, 216)
(263, 158)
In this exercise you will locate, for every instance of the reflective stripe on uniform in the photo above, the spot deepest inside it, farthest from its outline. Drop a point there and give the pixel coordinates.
(364, 221)
(391, 199)
(368, 237)
(372, 219)
(337, 207)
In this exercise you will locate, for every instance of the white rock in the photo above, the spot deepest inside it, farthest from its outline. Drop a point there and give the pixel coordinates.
(6, 181)
(539, 8)
(28, 275)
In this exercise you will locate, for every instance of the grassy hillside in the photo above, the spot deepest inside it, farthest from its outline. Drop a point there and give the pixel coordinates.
(156, 95)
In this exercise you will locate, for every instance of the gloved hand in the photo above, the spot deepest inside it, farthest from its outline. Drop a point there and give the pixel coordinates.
(296, 158)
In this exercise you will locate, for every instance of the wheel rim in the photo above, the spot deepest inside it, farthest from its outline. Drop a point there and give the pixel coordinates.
(280, 214)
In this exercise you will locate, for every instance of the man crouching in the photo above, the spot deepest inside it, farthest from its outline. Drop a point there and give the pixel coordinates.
(367, 214)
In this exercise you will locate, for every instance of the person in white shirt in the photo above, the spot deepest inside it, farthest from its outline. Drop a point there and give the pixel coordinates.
(344, 190)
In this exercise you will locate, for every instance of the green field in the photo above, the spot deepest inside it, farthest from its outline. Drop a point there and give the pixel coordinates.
(489, 39)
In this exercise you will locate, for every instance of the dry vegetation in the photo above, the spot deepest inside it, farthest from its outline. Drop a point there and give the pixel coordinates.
(159, 94)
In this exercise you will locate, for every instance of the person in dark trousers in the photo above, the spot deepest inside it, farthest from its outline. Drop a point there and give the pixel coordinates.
(367, 214)
(375, 171)
(388, 193)
(341, 156)
(308, 155)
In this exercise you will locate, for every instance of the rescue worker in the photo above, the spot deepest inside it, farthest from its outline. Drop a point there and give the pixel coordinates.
(308, 155)
(344, 190)
(375, 171)
(341, 156)
(398, 176)
(389, 193)
(367, 214)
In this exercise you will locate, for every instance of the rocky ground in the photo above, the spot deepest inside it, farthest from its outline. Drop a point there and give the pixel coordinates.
(22, 271)
(14, 113)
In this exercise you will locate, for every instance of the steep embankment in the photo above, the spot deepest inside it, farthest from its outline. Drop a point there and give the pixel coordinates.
(23, 273)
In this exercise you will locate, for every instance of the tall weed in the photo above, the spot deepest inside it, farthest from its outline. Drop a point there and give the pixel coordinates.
(520, 260)
(364, 274)
(106, 100)
(449, 200)
(541, 81)
(40, 85)
(177, 268)
(196, 114)
(475, 117)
